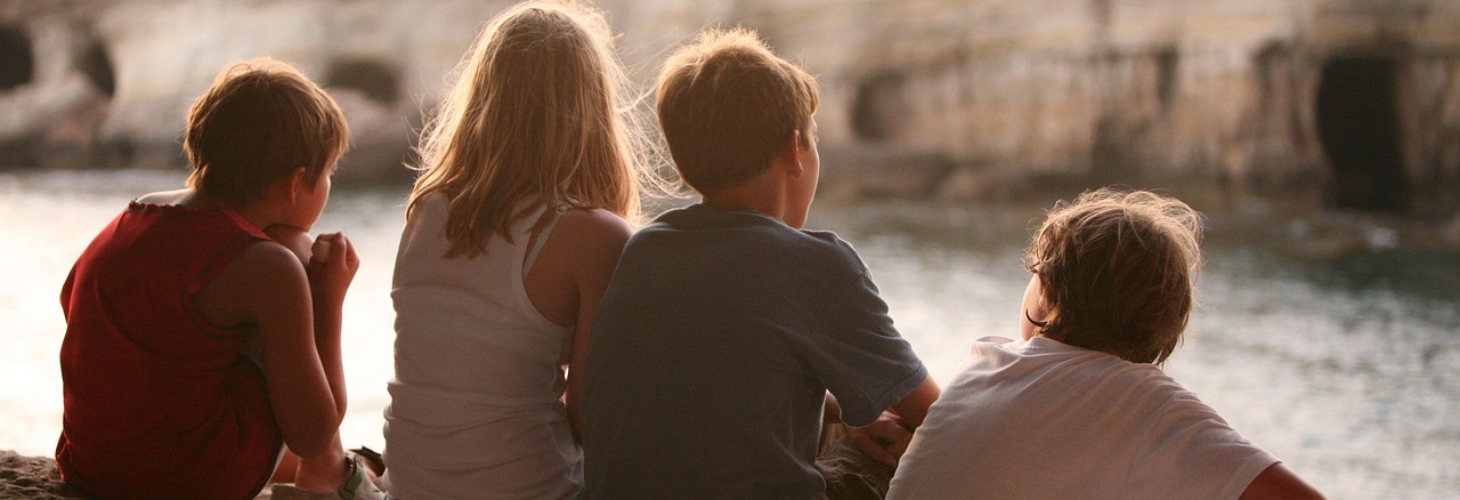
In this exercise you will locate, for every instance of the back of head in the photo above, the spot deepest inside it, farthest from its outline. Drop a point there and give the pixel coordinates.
(1118, 272)
(535, 112)
(257, 122)
(725, 103)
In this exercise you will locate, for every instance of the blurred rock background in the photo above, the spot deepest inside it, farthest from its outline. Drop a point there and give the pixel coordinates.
(1323, 103)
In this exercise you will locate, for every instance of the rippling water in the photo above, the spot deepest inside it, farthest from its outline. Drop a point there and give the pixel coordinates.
(1347, 368)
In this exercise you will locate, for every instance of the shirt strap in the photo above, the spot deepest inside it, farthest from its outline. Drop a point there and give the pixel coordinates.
(543, 237)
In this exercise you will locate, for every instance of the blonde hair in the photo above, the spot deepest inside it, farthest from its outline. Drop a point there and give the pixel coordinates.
(726, 103)
(533, 114)
(257, 122)
(1118, 272)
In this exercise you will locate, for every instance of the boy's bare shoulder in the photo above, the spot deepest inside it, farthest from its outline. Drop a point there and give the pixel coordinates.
(296, 240)
(266, 262)
(175, 197)
(264, 276)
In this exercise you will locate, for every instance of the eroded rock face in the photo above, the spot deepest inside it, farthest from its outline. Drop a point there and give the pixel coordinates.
(1133, 91)
(1160, 92)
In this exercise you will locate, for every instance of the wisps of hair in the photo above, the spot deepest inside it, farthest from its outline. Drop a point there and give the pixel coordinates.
(1118, 272)
(540, 109)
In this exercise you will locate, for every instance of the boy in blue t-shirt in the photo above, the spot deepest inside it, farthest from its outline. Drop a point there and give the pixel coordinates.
(728, 334)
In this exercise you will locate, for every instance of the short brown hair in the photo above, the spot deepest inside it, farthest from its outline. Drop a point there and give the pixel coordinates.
(1118, 272)
(725, 103)
(257, 122)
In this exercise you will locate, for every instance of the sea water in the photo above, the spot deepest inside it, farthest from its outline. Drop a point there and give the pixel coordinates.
(1346, 366)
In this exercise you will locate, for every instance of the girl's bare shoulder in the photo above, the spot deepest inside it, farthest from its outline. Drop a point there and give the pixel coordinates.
(595, 228)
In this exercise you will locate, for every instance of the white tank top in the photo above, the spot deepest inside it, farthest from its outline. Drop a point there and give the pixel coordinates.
(476, 405)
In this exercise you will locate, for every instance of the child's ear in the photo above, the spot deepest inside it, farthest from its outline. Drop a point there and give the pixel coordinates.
(790, 154)
(295, 184)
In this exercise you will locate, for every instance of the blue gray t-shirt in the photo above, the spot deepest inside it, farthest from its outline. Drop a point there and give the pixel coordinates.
(712, 352)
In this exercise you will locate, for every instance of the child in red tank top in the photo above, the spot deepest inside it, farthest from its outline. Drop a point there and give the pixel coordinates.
(198, 345)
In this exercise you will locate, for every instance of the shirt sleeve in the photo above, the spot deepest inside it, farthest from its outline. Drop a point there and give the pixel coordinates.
(857, 353)
(1196, 451)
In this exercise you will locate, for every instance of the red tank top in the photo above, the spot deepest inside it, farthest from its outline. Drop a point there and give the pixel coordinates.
(158, 403)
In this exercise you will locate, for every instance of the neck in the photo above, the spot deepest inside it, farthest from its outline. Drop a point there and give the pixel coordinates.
(258, 213)
(761, 193)
(255, 213)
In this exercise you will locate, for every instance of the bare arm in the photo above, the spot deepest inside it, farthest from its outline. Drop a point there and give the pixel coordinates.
(888, 437)
(567, 281)
(270, 286)
(327, 293)
(913, 408)
(295, 239)
(1280, 483)
(328, 282)
(603, 237)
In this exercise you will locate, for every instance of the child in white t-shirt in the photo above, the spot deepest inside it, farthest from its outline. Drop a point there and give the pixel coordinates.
(1079, 407)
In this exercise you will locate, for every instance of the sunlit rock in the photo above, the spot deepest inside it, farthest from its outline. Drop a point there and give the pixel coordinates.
(1353, 102)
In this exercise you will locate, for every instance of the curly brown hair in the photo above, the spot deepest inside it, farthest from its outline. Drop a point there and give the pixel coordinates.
(1117, 272)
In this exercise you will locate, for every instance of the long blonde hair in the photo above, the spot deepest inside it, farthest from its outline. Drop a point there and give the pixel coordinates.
(535, 112)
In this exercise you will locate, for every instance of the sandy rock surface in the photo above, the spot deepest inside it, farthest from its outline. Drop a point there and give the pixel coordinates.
(31, 478)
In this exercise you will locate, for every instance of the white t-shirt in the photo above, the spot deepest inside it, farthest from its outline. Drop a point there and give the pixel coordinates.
(476, 408)
(1040, 419)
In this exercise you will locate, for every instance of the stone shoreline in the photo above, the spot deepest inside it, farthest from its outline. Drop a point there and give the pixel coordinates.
(36, 478)
(31, 478)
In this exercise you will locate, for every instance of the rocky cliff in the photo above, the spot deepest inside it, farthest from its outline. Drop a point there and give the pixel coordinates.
(1352, 102)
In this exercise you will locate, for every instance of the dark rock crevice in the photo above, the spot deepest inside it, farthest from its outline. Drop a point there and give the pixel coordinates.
(1358, 125)
(877, 105)
(17, 60)
(377, 79)
(94, 62)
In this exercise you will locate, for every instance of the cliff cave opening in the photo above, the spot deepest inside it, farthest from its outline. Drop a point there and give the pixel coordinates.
(97, 66)
(17, 63)
(378, 80)
(1358, 123)
(1168, 61)
(876, 106)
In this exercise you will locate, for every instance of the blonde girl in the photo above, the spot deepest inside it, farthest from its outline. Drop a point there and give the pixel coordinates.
(531, 168)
